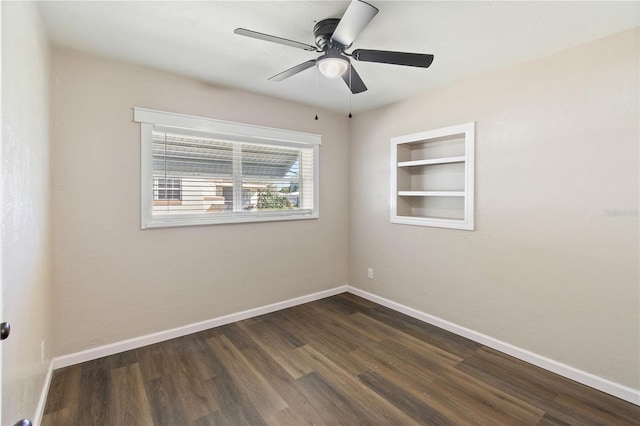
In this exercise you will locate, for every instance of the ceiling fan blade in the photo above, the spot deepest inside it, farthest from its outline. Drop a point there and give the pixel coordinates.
(355, 18)
(274, 39)
(293, 71)
(397, 58)
(353, 80)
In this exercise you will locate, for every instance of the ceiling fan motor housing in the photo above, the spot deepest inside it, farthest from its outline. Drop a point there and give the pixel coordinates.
(323, 31)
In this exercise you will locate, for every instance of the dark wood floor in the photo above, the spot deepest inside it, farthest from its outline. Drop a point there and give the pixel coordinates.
(341, 360)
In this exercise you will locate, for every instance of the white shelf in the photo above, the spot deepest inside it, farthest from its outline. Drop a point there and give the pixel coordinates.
(431, 193)
(421, 195)
(433, 161)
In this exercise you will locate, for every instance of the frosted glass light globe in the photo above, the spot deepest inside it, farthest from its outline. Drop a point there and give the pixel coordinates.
(333, 67)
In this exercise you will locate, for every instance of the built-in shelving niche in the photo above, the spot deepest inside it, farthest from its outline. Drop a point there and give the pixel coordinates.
(432, 178)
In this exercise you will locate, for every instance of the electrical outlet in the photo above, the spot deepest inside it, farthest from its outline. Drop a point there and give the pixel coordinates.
(370, 273)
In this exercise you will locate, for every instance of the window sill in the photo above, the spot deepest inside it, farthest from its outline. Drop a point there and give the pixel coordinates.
(221, 218)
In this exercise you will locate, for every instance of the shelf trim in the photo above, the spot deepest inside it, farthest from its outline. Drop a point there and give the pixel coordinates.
(433, 222)
(460, 129)
(443, 160)
(467, 130)
(431, 193)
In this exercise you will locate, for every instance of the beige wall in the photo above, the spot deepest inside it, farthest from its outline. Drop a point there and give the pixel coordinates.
(25, 208)
(114, 281)
(548, 268)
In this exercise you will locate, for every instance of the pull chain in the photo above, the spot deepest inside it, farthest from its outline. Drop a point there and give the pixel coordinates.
(350, 89)
(317, 92)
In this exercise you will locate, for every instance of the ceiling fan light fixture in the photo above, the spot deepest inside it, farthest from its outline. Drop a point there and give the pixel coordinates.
(333, 66)
(333, 37)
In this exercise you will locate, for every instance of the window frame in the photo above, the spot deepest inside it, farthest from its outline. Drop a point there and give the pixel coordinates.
(227, 131)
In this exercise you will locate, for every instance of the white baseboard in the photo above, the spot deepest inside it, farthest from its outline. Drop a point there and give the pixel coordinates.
(589, 379)
(138, 342)
(37, 419)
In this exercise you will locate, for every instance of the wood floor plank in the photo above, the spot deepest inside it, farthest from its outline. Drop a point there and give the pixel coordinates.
(316, 331)
(364, 304)
(332, 405)
(407, 403)
(300, 409)
(164, 403)
(517, 386)
(376, 356)
(544, 389)
(409, 343)
(64, 417)
(368, 401)
(606, 415)
(311, 412)
(537, 396)
(341, 306)
(601, 401)
(123, 359)
(407, 359)
(513, 367)
(282, 353)
(192, 356)
(452, 343)
(64, 391)
(233, 415)
(340, 360)
(421, 388)
(270, 331)
(290, 338)
(328, 337)
(247, 378)
(484, 404)
(348, 329)
(129, 405)
(288, 417)
(549, 420)
(281, 381)
(196, 397)
(226, 392)
(470, 394)
(150, 361)
(95, 392)
(239, 338)
(359, 323)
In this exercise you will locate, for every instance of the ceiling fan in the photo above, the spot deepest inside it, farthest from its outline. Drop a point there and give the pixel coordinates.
(332, 38)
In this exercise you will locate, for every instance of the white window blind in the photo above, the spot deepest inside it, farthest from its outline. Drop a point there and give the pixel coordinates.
(202, 171)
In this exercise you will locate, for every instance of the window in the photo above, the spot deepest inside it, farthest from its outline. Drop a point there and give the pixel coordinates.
(167, 189)
(202, 171)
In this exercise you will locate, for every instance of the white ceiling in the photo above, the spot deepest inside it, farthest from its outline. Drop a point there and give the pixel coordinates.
(196, 39)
